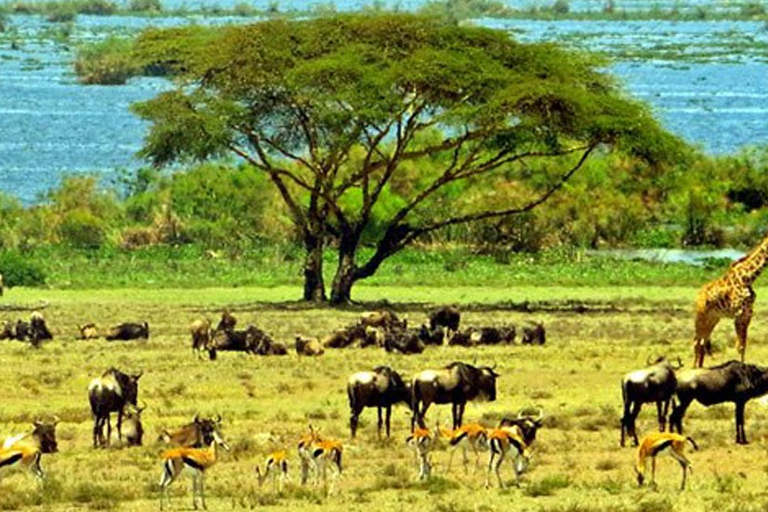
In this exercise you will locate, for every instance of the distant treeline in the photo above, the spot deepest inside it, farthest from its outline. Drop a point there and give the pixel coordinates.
(612, 202)
(67, 10)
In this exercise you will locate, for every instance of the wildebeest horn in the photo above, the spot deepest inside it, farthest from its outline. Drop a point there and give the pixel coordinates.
(679, 363)
(141, 409)
(38, 423)
(196, 419)
(55, 420)
(218, 418)
(541, 415)
(138, 375)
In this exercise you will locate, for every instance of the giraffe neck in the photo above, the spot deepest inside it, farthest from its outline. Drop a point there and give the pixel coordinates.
(748, 268)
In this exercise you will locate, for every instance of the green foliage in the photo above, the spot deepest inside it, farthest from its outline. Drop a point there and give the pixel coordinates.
(62, 13)
(752, 9)
(145, 6)
(457, 10)
(18, 270)
(107, 62)
(561, 7)
(81, 228)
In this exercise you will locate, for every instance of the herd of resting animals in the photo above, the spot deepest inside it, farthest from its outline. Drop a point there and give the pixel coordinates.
(662, 382)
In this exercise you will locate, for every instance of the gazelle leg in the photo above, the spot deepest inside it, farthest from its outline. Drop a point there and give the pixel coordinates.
(653, 471)
(496, 469)
(202, 490)
(491, 456)
(684, 463)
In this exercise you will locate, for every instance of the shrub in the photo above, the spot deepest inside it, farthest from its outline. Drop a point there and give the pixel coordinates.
(108, 62)
(561, 7)
(96, 7)
(752, 9)
(82, 229)
(17, 270)
(62, 13)
(145, 6)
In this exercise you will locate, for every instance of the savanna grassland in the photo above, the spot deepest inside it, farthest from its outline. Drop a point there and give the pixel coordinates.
(266, 402)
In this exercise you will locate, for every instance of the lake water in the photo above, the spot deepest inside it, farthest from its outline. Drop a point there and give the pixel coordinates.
(51, 126)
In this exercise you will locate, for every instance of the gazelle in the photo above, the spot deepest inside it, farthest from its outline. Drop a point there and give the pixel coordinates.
(305, 448)
(653, 444)
(327, 453)
(500, 442)
(471, 435)
(276, 467)
(421, 440)
(196, 459)
(27, 448)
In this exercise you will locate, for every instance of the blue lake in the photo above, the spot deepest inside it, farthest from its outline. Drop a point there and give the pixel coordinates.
(51, 126)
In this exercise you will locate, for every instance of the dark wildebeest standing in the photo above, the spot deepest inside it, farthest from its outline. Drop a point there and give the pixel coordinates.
(38, 330)
(448, 317)
(196, 434)
(381, 388)
(455, 384)
(733, 381)
(654, 383)
(128, 331)
(111, 393)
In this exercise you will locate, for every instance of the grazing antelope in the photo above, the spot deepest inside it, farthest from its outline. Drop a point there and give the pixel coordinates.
(275, 466)
(196, 459)
(471, 435)
(27, 449)
(500, 441)
(653, 444)
(326, 453)
(305, 448)
(421, 440)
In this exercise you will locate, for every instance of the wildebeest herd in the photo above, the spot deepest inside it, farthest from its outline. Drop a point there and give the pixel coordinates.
(194, 445)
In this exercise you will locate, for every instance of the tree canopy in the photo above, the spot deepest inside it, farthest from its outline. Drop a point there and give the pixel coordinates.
(374, 129)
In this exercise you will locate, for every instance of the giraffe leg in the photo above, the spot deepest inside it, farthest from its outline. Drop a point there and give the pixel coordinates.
(742, 325)
(705, 324)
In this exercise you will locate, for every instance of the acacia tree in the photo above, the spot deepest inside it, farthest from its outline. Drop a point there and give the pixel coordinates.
(342, 112)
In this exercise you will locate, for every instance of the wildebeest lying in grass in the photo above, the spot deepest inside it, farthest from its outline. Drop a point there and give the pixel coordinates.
(35, 331)
(88, 331)
(251, 340)
(534, 334)
(308, 346)
(128, 331)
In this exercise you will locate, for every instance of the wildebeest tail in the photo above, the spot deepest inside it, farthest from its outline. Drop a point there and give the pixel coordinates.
(693, 443)
(337, 456)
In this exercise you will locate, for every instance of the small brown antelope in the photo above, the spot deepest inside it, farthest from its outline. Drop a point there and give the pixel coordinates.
(327, 453)
(500, 441)
(305, 447)
(196, 459)
(27, 448)
(421, 441)
(472, 435)
(653, 444)
(275, 466)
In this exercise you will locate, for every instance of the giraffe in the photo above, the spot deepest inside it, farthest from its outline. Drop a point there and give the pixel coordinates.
(730, 296)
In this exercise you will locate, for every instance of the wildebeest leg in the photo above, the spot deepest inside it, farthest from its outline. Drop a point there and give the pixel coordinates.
(106, 441)
(353, 420)
(741, 436)
(632, 424)
(664, 415)
(678, 411)
(388, 418)
(96, 431)
(379, 424)
(120, 424)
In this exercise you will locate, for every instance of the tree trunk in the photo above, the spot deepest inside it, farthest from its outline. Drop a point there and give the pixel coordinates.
(341, 290)
(314, 286)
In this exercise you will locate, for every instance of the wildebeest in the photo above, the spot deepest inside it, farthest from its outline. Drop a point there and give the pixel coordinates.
(654, 383)
(308, 346)
(128, 331)
(201, 335)
(38, 330)
(381, 388)
(88, 331)
(385, 319)
(456, 384)
(6, 331)
(534, 334)
(351, 334)
(132, 427)
(22, 330)
(405, 341)
(252, 340)
(27, 448)
(526, 425)
(431, 335)
(107, 394)
(192, 434)
(733, 381)
(447, 316)
(227, 322)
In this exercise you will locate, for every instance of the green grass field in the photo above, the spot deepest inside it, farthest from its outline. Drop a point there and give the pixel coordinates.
(267, 402)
